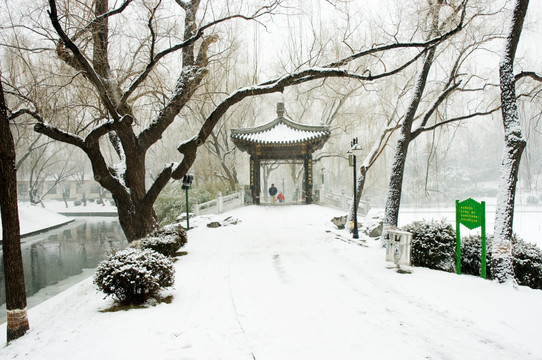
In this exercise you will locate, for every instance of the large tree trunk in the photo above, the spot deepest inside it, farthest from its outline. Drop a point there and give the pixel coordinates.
(17, 319)
(395, 188)
(136, 221)
(513, 149)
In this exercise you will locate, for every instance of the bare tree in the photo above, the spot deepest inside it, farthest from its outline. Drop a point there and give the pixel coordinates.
(514, 144)
(17, 319)
(117, 111)
(413, 123)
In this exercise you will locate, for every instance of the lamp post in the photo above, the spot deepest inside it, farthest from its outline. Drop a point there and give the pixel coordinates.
(355, 150)
(187, 181)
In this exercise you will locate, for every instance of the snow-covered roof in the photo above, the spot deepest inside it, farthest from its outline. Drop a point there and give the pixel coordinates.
(281, 131)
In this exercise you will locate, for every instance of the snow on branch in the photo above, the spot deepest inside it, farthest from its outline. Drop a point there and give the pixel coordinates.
(459, 118)
(530, 74)
(21, 112)
(379, 146)
(433, 107)
(276, 85)
(192, 39)
(60, 135)
(104, 128)
(401, 45)
(81, 63)
(185, 4)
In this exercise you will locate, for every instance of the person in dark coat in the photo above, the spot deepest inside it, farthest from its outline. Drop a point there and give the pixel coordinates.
(273, 193)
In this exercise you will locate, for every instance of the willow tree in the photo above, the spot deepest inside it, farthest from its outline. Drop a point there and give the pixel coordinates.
(127, 113)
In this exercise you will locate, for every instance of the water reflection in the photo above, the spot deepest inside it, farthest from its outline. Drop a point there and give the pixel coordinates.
(61, 254)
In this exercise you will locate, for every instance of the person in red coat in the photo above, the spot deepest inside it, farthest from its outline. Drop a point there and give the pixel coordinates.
(280, 197)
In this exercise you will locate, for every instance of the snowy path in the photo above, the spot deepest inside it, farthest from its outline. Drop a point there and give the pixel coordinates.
(279, 286)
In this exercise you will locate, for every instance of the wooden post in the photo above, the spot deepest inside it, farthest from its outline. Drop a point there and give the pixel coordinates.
(308, 178)
(255, 187)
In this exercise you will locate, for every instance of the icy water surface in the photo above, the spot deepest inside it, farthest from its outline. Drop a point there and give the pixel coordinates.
(59, 258)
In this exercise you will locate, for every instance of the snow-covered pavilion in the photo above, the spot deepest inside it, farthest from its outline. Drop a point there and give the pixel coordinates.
(280, 140)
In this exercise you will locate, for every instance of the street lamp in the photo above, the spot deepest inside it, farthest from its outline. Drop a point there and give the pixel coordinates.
(355, 150)
(187, 181)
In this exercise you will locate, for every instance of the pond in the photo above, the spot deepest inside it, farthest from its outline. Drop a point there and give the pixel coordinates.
(59, 258)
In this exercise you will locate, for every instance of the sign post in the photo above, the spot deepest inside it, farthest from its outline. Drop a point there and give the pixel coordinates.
(472, 214)
(187, 182)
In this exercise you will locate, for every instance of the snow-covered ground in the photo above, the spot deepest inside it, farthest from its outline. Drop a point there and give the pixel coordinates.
(282, 284)
(35, 218)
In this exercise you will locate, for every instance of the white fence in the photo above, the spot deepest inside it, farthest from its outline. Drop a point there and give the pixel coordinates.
(235, 200)
(220, 204)
(342, 201)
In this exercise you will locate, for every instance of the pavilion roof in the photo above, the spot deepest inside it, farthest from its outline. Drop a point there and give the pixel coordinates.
(281, 131)
(281, 138)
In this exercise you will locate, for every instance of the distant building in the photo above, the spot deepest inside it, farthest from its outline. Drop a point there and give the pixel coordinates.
(67, 189)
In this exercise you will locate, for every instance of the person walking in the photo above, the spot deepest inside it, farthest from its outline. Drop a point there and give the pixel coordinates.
(273, 193)
(280, 197)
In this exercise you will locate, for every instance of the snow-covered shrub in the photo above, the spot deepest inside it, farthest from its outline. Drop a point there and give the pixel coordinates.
(527, 262)
(166, 240)
(471, 255)
(133, 275)
(433, 244)
(526, 259)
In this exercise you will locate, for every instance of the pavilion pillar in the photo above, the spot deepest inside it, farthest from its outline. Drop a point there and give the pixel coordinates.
(307, 163)
(255, 187)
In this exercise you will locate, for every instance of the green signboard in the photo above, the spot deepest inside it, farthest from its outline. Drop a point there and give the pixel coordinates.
(472, 215)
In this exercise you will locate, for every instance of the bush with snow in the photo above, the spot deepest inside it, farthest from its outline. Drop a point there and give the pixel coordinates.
(133, 275)
(433, 244)
(166, 240)
(471, 255)
(526, 259)
(527, 262)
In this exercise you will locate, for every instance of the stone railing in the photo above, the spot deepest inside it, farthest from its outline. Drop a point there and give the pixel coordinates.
(235, 200)
(220, 204)
(343, 201)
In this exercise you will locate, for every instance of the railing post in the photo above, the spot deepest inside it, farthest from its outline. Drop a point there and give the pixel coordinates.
(219, 203)
(196, 207)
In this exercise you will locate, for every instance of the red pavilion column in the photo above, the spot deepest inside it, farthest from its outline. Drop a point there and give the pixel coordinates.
(255, 187)
(308, 178)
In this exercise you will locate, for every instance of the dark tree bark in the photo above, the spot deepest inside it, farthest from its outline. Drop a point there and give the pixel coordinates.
(514, 144)
(401, 149)
(17, 319)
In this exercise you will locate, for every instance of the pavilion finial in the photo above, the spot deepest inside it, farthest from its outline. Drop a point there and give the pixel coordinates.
(280, 109)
